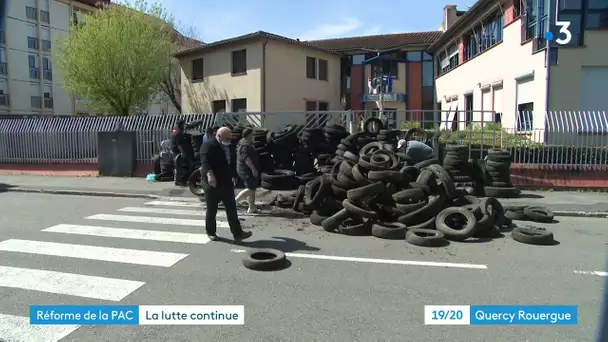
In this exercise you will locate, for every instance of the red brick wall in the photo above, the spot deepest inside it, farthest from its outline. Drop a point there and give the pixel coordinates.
(356, 87)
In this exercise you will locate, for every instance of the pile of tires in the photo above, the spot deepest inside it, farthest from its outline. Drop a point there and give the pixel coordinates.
(498, 175)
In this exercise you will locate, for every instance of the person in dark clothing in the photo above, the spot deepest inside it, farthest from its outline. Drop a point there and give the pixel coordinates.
(247, 167)
(182, 145)
(218, 172)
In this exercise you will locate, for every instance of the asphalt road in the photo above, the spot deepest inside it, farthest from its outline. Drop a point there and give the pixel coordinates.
(312, 300)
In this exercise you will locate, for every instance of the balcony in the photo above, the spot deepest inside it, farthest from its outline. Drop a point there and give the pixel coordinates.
(386, 97)
(32, 43)
(31, 13)
(3, 68)
(47, 75)
(45, 17)
(4, 100)
(48, 102)
(46, 45)
(36, 101)
(34, 73)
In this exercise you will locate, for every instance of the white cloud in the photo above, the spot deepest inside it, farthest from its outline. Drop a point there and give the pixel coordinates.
(374, 30)
(341, 28)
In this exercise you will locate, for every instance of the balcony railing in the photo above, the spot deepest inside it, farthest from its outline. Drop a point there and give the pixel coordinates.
(32, 43)
(31, 13)
(4, 100)
(36, 101)
(3, 68)
(48, 102)
(46, 45)
(34, 73)
(47, 75)
(45, 16)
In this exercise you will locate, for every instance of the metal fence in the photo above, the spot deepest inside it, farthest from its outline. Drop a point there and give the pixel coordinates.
(572, 140)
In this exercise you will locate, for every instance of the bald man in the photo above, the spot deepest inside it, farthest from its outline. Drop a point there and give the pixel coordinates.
(218, 172)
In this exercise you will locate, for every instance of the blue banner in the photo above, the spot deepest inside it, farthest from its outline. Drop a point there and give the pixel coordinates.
(524, 314)
(84, 314)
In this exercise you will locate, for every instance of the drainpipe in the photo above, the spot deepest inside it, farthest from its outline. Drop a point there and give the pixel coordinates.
(548, 62)
(263, 78)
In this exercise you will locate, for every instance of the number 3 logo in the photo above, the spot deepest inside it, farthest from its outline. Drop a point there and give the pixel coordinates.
(564, 29)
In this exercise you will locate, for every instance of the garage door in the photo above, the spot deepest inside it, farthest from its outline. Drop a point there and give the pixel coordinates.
(593, 88)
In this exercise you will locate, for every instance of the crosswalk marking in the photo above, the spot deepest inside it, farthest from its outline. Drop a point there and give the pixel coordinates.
(18, 329)
(67, 283)
(125, 233)
(174, 204)
(120, 255)
(154, 220)
(165, 211)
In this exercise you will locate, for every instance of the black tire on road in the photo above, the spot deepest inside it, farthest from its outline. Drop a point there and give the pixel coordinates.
(533, 235)
(195, 183)
(425, 237)
(264, 259)
(392, 230)
(452, 233)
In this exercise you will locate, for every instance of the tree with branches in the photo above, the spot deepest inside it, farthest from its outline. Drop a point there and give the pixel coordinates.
(117, 57)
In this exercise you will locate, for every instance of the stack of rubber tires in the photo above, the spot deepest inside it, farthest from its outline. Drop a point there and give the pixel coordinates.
(498, 176)
(456, 161)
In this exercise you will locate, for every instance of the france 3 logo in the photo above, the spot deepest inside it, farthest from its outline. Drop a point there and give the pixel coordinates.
(564, 35)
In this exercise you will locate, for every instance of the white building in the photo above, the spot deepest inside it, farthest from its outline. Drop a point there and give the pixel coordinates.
(493, 59)
(29, 84)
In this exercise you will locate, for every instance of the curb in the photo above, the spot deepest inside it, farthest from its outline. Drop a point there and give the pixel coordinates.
(574, 213)
(84, 193)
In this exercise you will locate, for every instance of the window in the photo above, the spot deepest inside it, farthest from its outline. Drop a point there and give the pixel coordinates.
(468, 107)
(3, 94)
(45, 34)
(427, 57)
(33, 64)
(239, 62)
(524, 122)
(197, 69)
(323, 106)
(484, 36)
(3, 66)
(534, 23)
(554, 56)
(48, 96)
(239, 105)
(358, 59)
(219, 106)
(517, 8)
(323, 70)
(30, 10)
(383, 66)
(35, 99)
(311, 106)
(311, 67)
(47, 72)
(414, 56)
(447, 59)
(427, 73)
(44, 11)
(498, 118)
(32, 37)
(75, 17)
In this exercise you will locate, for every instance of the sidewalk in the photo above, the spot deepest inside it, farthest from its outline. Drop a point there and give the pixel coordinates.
(583, 202)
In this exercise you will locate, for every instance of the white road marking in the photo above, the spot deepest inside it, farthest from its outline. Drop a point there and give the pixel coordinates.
(67, 283)
(175, 204)
(18, 329)
(154, 220)
(379, 261)
(166, 211)
(120, 255)
(597, 273)
(125, 233)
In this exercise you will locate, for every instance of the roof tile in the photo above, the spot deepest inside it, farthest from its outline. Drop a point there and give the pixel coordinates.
(378, 42)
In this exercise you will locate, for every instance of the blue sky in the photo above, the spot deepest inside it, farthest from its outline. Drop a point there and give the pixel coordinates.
(310, 19)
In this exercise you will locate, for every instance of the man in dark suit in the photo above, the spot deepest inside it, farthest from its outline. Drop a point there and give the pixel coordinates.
(218, 172)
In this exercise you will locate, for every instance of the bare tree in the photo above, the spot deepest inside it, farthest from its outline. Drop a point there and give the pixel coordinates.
(171, 85)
